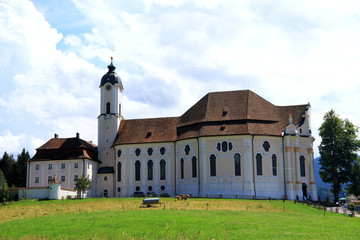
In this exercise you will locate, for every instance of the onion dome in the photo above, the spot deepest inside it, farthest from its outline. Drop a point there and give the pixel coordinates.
(111, 76)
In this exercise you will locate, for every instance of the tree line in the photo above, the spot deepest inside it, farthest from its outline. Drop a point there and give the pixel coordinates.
(13, 172)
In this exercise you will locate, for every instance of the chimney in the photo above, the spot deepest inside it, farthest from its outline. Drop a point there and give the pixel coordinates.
(56, 136)
(77, 135)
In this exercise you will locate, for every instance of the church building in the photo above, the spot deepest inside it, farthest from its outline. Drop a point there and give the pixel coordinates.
(231, 144)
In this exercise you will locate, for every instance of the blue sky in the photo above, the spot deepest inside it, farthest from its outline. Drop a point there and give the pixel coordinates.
(169, 54)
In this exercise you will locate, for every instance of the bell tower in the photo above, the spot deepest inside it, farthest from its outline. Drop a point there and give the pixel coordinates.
(108, 124)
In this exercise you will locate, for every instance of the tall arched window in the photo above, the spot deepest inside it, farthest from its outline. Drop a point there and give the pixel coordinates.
(137, 170)
(162, 169)
(194, 167)
(108, 108)
(259, 164)
(212, 165)
(119, 172)
(182, 168)
(150, 170)
(237, 164)
(274, 165)
(302, 166)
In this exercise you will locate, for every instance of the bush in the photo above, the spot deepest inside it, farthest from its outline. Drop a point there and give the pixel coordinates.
(351, 206)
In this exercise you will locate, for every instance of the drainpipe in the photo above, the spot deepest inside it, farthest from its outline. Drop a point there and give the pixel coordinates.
(284, 170)
(198, 167)
(175, 167)
(83, 173)
(253, 165)
(28, 174)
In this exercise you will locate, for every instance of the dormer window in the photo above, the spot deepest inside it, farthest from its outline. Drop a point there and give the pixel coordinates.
(225, 111)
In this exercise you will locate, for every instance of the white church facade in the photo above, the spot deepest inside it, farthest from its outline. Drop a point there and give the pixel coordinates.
(228, 145)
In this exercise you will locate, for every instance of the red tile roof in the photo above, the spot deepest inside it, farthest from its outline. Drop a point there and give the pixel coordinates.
(66, 149)
(219, 113)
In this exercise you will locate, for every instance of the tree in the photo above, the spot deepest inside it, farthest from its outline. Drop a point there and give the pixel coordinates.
(338, 151)
(82, 185)
(354, 186)
(7, 165)
(20, 168)
(2, 180)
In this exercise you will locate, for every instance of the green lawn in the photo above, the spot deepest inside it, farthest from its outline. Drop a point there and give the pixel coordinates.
(257, 220)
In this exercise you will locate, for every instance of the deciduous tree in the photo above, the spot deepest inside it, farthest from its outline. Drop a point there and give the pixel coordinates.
(82, 185)
(338, 148)
(354, 185)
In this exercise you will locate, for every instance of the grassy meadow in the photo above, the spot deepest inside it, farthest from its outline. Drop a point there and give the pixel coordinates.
(191, 219)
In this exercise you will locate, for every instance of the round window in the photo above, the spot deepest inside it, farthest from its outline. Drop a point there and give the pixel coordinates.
(150, 188)
(162, 150)
(108, 87)
(137, 188)
(162, 188)
(150, 151)
(266, 146)
(105, 178)
(137, 151)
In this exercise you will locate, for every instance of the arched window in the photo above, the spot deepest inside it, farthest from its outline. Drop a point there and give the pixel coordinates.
(212, 165)
(258, 164)
(119, 153)
(150, 170)
(194, 167)
(302, 166)
(108, 108)
(137, 170)
(105, 193)
(182, 168)
(237, 164)
(162, 169)
(119, 172)
(274, 165)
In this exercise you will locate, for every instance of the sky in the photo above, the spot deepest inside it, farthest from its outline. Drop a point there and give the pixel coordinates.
(169, 54)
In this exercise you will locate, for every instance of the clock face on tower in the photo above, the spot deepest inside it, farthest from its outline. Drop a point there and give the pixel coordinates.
(108, 87)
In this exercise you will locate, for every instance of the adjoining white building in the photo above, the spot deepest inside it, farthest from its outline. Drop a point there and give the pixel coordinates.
(229, 144)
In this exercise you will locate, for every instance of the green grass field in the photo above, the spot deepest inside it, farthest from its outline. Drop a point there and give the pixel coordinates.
(191, 219)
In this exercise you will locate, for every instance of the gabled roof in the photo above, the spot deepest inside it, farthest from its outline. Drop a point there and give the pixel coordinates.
(218, 113)
(147, 130)
(66, 149)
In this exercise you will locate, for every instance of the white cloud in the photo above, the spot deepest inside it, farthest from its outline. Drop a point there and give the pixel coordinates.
(14, 144)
